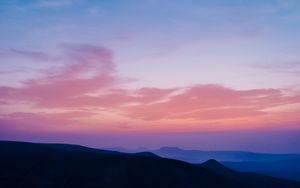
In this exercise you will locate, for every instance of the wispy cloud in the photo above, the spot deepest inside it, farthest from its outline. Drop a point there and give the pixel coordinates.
(26, 54)
(89, 69)
(288, 67)
(54, 3)
(7, 72)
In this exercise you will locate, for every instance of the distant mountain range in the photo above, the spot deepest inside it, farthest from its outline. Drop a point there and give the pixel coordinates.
(277, 165)
(198, 156)
(61, 165)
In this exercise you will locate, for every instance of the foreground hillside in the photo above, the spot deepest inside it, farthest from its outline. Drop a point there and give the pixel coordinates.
(60, 165)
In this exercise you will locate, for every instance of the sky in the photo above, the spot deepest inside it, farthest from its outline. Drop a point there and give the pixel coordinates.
(199, 74)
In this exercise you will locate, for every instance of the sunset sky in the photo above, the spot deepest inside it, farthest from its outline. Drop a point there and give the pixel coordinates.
(201, 74)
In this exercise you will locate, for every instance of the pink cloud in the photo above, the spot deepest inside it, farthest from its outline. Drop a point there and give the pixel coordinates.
(203, 102)
(111, 98)
(36, 122)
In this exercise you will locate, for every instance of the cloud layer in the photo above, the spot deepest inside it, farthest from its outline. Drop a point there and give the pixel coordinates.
(86, 93)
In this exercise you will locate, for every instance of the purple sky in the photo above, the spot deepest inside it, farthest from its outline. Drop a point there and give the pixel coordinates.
(205, 74)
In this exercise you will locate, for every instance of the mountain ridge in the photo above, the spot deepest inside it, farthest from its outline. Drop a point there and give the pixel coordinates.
(48, 165)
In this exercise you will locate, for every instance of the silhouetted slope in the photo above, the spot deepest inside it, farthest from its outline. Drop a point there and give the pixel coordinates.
(55, 165)
(289, 168)
(247, 178)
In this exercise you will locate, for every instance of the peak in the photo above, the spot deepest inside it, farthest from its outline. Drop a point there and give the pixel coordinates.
(212, 161)
(148, 154)
(214, 165)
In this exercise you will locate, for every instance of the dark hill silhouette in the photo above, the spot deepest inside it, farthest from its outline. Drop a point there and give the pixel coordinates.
(55, 165)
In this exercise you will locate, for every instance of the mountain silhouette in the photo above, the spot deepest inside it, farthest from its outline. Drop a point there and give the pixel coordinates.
(61, 165)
